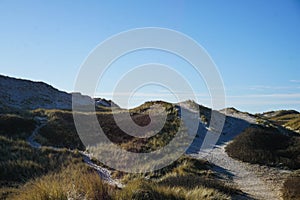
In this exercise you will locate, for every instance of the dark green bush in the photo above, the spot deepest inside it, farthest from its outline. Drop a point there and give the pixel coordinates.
(290, 189)
(266, 146)
(15, 126)
(60, 131)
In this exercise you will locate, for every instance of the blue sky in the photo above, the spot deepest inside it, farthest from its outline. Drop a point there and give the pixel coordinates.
(255, 44)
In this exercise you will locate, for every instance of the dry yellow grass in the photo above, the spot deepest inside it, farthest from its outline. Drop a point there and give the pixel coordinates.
(74, 182)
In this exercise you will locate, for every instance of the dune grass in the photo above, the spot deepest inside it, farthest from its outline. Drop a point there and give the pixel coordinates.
(78, 184)
(19, 162)
(60, 130)
(266, 146)
(46, 174)
(187, 178)
(287, 118)
(22, 167)
(290, 189)
(73, 182)
(146, 190)
(294, 124)
(16, 126)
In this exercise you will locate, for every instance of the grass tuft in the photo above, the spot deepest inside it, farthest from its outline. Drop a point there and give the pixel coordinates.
(290, 190)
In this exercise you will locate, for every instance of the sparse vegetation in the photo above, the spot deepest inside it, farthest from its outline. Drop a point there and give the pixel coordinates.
(44, 174)
(293, 124)
(287, 118)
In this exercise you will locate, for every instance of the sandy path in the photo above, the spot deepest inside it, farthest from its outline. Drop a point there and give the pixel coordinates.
(257, 182)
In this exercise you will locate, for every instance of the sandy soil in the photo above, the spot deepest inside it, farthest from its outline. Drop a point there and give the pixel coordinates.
(257, 182)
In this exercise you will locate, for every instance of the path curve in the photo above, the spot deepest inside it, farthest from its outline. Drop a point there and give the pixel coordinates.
(257, 182)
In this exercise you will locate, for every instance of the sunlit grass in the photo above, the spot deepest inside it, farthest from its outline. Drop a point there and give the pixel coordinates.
(73, 182)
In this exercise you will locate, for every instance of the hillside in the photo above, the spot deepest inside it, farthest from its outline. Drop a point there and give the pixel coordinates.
(287, 118)
(254, 156)
(19, 94)
(33, 170)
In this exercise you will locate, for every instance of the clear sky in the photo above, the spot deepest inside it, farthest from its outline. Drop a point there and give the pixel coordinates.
(255, 44)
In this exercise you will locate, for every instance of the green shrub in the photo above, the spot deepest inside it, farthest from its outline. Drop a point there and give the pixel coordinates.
(15, 126)
(60, 130)
(266, 146)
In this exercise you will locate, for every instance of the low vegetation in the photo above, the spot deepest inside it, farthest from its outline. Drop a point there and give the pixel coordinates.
(287, 118)
(19, 162)
(72, 182)
(16, 127)
(141, 190)
(294, 124)
(187, 178)
(60, 130)
(46, 173)
(79, 182)
(290, 190)
(266, 146)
